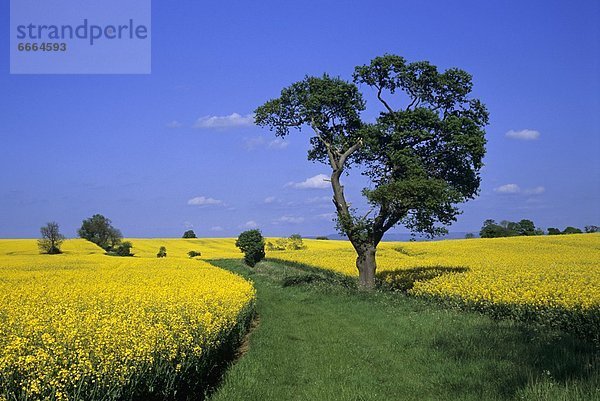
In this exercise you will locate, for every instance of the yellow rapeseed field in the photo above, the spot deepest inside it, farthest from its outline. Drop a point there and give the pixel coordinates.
(84, 325)
(550, 271)
(561, 270)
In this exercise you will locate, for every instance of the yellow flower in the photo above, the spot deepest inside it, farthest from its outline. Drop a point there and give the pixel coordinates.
(84, 319)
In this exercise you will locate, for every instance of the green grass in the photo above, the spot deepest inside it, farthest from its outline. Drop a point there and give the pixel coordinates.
(319, 340)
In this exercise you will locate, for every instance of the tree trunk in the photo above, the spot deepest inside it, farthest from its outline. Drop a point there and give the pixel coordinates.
(366, 264)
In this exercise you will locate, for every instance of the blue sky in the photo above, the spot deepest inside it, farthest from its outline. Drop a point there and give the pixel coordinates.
(174, 149)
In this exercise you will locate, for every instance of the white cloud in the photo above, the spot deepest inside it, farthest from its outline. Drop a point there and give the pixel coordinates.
(249, 224)
(204, 201)
(270, 199)
(174, 124)
(233, 120)
(289, 220)
(535, 191)
(319, 181)
(524, 134)
(508, 189)
(187, 224)
(278, 143)
(216, 228)
(515, 189)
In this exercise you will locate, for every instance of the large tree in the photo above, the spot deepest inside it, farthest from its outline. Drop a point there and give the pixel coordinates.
(422, 158)
(99, 230)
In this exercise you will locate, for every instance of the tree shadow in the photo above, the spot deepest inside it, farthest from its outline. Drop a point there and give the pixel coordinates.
(404, 279)
(514, 359)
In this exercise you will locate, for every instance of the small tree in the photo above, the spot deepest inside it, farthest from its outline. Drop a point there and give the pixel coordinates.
(51, 239)
(591, 229)
(98, 229)
(189, 234)
(162, 252)
(553, 231)
(252, 244)
(193, 254)
(469, 235)
(123, 249)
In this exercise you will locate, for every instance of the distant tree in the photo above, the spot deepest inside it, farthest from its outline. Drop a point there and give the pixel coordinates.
(51, 239)
(123, 249)
(489, 222)
(492, 230)
(469, 235)
(162, 252)
(322, 238)
(554, 231)
(189, 234)
(572, 230)
(98, 229)
(512, 229)
(509, 229)
(592, 229)
(422, 158)
(295, 242)
(252, 244)
(193, 254)
(525, 227)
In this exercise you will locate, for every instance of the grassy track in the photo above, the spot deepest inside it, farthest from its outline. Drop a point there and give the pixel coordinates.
(322, 342)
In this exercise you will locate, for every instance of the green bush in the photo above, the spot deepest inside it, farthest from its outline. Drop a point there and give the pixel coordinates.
(193, 254)
(123, 249)
(162, 252)
(252, 244)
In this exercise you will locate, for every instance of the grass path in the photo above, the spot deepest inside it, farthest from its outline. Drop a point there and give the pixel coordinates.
(322, 342)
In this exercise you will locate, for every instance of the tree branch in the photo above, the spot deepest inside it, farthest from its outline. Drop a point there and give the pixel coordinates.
(331, 153)
(387, 106)
(368, 213)
(414, 97)
(313, 125)
(349, 152)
